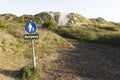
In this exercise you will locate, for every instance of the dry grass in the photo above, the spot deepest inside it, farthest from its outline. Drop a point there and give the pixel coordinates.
(15, 52)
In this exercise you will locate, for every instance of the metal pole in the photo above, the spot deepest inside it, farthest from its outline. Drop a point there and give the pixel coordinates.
(33, 54)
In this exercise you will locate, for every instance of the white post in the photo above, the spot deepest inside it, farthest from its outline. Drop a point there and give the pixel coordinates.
(33, 54)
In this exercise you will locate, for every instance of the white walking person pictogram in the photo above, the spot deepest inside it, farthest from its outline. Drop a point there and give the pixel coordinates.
(30, 28)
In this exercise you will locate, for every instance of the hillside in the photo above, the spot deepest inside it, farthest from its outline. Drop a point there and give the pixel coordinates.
(60, 19)
(15, 52)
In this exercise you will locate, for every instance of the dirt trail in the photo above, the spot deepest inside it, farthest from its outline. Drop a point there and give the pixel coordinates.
(87, 61)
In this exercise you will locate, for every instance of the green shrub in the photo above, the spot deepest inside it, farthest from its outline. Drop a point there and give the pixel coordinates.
(109, 39)
(49, 25)
(109, 28)
(2, 24)
(42, 17)
(28, 73)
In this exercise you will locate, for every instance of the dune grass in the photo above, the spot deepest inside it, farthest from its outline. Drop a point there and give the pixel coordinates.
(15, 52)
(103, 35)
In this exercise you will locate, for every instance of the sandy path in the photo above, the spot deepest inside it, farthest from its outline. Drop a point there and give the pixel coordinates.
(87, 61)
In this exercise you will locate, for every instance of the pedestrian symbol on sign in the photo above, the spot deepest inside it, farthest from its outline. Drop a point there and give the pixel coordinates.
(30, 27)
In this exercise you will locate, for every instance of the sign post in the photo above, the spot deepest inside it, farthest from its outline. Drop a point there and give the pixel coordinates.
(33, 54)
(30, 27)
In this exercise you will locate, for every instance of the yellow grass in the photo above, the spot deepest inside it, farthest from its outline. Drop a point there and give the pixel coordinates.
(15, 52)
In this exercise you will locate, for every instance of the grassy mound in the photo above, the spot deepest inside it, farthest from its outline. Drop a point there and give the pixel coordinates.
(15, 52)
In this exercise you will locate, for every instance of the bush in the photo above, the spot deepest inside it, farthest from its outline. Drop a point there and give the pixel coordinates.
(109, 39)
(109, 28)
(49, 25)
(2, 24)
(42, 17)
(28, 73)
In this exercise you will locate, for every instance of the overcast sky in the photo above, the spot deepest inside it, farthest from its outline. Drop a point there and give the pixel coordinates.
(108, 9)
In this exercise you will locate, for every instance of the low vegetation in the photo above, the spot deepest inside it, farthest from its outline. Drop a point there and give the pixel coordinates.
(48, 25)
(16, 52)
(103, 35)
(3, 24)
(28, 73)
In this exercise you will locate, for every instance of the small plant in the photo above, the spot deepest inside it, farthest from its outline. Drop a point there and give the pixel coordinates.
(28, 73)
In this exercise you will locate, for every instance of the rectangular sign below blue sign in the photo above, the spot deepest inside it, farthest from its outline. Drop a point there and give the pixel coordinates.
(31, 36)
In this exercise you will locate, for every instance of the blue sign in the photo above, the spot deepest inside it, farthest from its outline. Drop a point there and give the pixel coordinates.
(30, 27)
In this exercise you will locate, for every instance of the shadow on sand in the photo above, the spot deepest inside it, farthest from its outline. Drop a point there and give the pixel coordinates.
(88, 61)
(11, 73)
